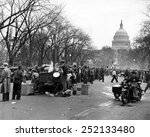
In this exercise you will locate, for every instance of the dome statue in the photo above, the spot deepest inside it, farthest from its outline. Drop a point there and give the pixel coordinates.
(121, 39)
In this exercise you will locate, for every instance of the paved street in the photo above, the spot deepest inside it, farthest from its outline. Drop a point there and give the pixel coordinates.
(98, 105)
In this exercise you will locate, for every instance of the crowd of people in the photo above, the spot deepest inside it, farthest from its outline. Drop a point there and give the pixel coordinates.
(6, 82)
(77, 74)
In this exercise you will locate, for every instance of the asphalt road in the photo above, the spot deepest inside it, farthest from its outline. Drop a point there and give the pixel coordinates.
(99, 104)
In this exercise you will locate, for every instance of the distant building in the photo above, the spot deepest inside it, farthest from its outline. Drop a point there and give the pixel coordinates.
(121, 39)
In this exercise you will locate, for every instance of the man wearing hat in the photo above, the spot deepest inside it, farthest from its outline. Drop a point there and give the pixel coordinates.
(64, 68)
(35, 80)
(18, 79)
(135, 78)
(85, 74)
(6, 75)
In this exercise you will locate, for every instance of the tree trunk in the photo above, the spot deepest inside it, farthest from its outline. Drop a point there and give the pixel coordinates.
(11, 60)
(40, 60)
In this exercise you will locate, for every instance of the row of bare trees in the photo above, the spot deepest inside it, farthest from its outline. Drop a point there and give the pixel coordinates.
(35, 32)
(141, 51)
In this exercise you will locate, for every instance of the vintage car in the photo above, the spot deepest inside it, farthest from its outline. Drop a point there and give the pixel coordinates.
(50, 82)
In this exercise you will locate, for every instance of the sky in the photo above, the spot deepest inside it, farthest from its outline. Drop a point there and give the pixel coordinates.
(100, 19)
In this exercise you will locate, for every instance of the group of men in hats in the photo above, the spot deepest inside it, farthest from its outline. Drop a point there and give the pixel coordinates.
(6, 82)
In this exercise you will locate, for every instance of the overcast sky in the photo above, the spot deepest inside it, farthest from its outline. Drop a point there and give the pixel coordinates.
(101, 18)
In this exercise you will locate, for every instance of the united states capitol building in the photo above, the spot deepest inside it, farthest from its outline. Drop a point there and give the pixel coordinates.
(121, 39)
(121, 46)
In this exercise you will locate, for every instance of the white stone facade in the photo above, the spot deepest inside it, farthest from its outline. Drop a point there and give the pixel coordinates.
(121, 39)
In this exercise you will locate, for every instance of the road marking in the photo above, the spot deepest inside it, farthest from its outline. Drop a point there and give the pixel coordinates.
(86, 112)
(89, 111)
(82, 113)
(106, 104)
(108, 94)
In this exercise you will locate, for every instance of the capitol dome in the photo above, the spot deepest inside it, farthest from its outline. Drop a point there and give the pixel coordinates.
(121, 39)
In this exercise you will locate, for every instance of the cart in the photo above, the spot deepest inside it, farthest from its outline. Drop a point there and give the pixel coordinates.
(117, 91)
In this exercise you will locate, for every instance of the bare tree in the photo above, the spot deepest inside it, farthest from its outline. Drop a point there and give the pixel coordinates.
(13, 12)
(142, 49)
(37, 26)
(25, 25)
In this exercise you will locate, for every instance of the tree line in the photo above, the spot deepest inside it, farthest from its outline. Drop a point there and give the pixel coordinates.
(36, 32)
(141, 46)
